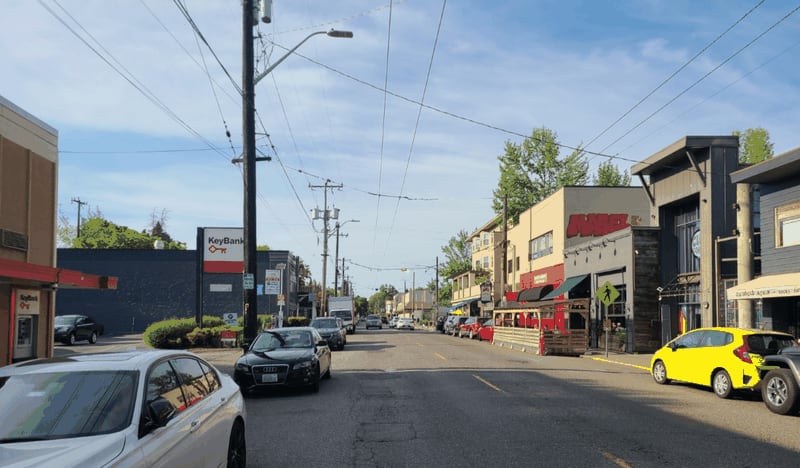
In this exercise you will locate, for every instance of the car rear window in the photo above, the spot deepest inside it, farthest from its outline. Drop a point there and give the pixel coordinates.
(766, 343)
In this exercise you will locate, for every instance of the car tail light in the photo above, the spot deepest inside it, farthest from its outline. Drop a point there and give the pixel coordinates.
(742, 352)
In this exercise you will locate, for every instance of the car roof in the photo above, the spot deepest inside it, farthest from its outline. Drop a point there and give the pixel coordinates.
(129, 360)
(743, 331)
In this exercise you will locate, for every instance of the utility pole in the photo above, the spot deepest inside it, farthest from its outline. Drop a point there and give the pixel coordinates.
(80, 203)
(505, 249)
(336, 263)
(249, 174)
(343, 290)
(436, 293)
(326, 215)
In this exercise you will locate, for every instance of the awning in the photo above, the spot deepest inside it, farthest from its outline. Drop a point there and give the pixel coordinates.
(565, 287)
(783, 285)
(24, 273)
(462, 304)
(534, 294)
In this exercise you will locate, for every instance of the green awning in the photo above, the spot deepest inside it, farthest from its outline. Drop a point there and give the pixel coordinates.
(565, 287)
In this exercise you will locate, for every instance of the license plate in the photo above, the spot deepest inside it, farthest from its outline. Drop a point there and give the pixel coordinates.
(269, 378)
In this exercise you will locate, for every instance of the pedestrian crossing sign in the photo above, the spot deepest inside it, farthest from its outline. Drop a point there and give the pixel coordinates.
(607, 293)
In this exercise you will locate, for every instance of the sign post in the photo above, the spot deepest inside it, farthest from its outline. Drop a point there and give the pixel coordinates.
(607, 294)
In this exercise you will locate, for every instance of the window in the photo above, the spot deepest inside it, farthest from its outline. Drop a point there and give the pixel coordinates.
(485, 239)
(477, 264)
(195, 384)
(486, 262)
(541, 246)
(687, 234)
(517, 263)
(787, 225)
(162, 383)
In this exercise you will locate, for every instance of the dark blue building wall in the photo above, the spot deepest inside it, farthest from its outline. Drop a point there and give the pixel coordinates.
(155, 285)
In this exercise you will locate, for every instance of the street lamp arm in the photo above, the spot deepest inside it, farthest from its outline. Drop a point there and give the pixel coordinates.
(332, 33)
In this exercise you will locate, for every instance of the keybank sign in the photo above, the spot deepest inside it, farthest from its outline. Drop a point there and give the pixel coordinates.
(223, 250)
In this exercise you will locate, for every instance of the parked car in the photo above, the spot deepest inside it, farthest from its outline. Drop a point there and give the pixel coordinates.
(384, 320)
(725, 359)
(120, 409)
(780, 381)
(456, 325)
(486, 331)
(284, 357)
(470, 327)
(332, 330)
(393, 322)
(71, 328)
(373, 321)
(449, 323)
(405, 323)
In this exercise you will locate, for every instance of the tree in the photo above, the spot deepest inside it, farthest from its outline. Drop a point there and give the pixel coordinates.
(532, 171)
(458, 255)
(377, 302)
(99, 233)
(754, 145)
(608, 175)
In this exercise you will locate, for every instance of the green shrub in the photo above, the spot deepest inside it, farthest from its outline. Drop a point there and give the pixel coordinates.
(183, 333)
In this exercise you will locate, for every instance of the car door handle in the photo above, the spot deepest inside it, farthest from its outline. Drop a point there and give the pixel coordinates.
(194, 425)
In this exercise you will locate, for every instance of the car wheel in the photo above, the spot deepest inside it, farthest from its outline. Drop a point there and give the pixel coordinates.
(327, 374)
(722, 384)
(779, 391)
(93, 338)
(71, 339)
(660, 373)
(237, 447)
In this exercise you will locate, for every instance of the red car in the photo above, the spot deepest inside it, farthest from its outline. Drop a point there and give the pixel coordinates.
(471, 326)
(486, 331)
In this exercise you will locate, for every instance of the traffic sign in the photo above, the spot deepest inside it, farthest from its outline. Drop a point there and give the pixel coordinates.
(607, 293)
(247, 281)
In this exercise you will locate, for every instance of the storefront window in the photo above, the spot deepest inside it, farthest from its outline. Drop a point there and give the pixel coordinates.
(541, 246)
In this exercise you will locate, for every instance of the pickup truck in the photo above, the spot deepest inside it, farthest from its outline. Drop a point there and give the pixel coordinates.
(780, 380)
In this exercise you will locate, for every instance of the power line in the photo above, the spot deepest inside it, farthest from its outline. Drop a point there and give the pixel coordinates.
(670, 77)
(721, 64)
(383, 127)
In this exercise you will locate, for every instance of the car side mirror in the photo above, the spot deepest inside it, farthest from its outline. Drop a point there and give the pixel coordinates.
(159, 412)
(245, 345)
(322, 343)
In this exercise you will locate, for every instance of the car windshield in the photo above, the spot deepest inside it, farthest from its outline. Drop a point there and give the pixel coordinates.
(324, 323)
(271, 340)
(65, 404)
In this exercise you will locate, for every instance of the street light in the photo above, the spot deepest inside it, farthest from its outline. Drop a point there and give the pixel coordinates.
(250, 305)
(336, 262)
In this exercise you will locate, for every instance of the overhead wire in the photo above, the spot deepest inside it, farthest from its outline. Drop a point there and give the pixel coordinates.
(383, 126)
(699, 80)
(127, 75)
(670, 77)
(416, 123)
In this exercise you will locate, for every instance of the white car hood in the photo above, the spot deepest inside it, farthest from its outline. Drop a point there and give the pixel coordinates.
(79, 451)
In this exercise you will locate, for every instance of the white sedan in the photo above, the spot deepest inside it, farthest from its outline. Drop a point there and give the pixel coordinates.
(141, 408)
(405, 323)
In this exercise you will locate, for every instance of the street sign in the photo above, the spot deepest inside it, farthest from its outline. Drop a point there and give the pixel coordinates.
(607, 293)
(272, 282)
(281, 299)
(247, 281)
(230, 318)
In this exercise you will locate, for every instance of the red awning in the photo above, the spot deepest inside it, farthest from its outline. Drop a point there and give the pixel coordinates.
(39, 275)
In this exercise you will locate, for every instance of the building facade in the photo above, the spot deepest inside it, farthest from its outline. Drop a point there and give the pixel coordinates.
(692, 200)
(29, 277)
(773, 298)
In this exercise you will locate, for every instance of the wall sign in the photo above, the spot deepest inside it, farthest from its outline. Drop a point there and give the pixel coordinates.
(596, 224)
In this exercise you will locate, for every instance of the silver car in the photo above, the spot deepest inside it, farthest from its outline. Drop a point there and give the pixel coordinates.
(142, 408)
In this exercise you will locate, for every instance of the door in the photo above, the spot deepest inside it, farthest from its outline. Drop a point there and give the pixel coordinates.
(23, 331)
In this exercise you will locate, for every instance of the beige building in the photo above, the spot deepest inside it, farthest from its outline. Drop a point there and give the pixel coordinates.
(486, 246)
(28, 274)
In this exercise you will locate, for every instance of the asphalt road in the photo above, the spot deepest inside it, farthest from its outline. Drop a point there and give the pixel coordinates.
(399, 398)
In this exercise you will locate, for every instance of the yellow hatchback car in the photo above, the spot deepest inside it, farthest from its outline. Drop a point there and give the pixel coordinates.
(725, 359)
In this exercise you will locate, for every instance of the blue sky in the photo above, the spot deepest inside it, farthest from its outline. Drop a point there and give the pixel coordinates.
(499, 69)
